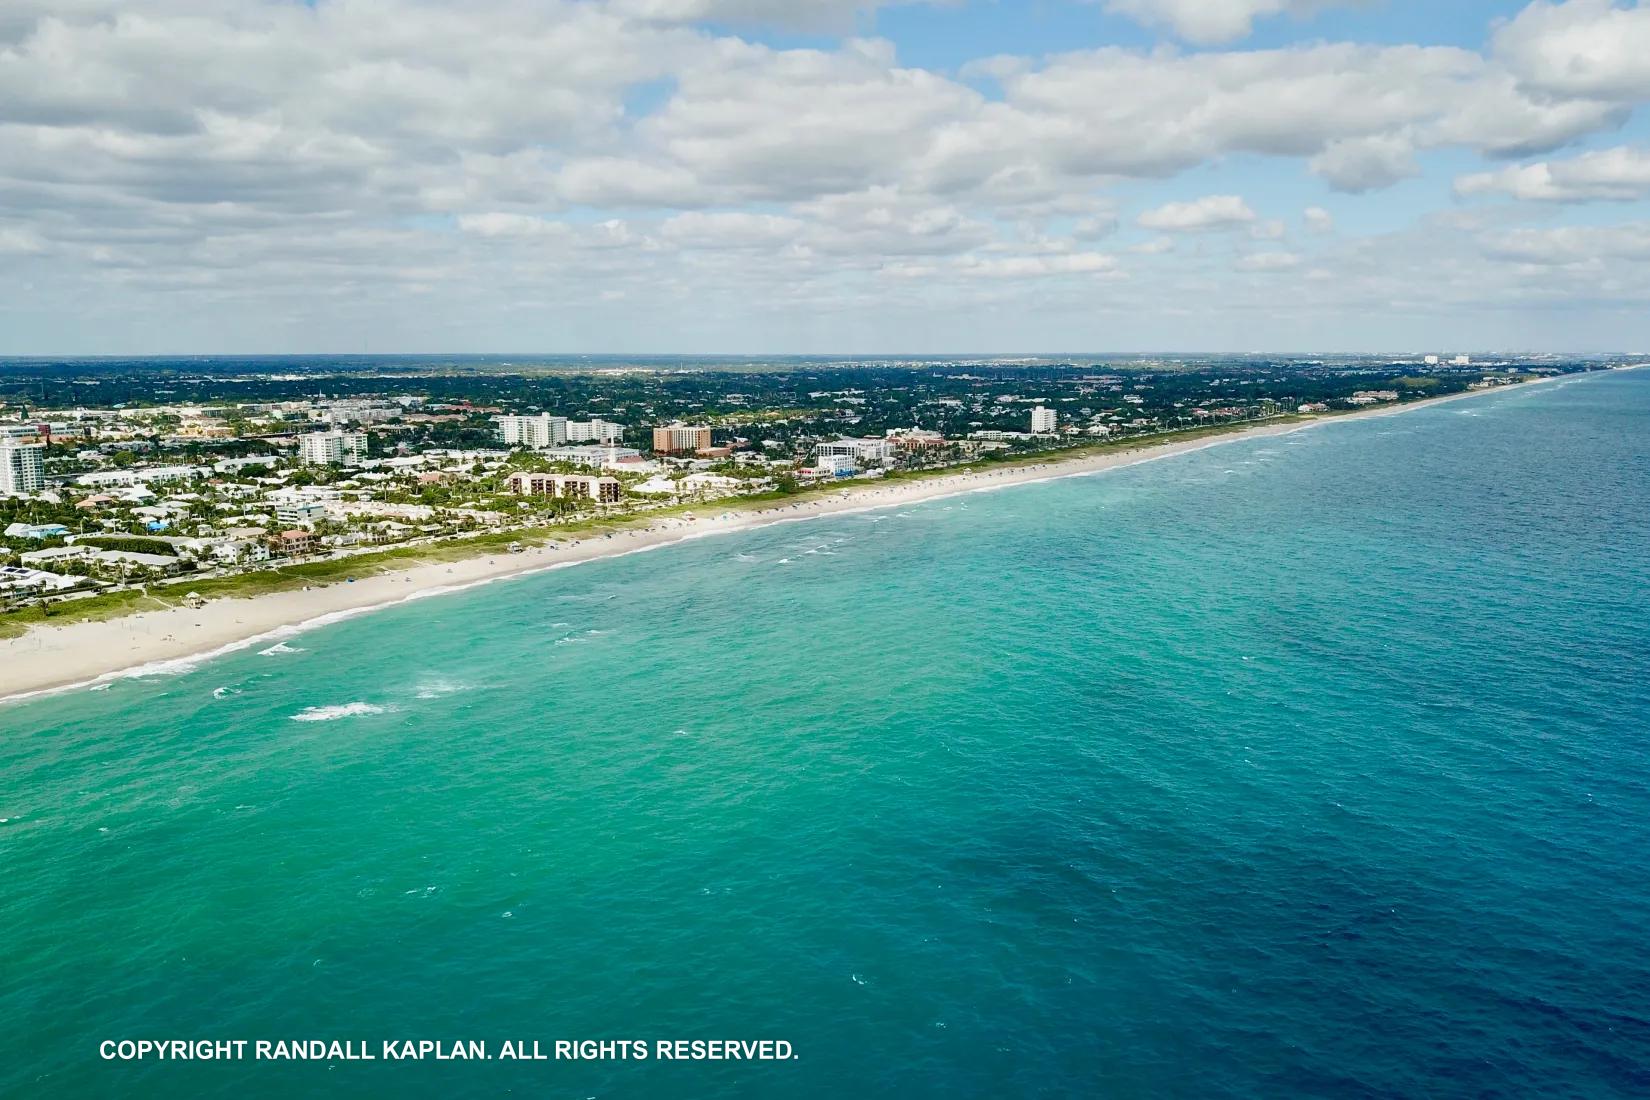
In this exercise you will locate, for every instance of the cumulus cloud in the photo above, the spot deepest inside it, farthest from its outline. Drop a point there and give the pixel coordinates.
(803, 15)
(1208, 22)
(1583, 48)
(1199, 215)
(1366, 164)
(1318, 220)
(1621, 174)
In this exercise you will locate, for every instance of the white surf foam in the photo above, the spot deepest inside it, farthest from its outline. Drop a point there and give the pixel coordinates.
(336, 711)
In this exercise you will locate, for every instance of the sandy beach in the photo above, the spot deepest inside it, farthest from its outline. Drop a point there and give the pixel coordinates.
(53, 657)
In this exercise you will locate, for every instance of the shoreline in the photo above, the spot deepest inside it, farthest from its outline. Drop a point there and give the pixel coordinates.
(50, 658)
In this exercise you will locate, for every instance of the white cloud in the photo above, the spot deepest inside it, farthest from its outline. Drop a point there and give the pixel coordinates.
(729, 229)
(804, 15)
(234, 162)
(1366, 164)
(1621, 174)
(1318, 220)
(1269, 261)
(19, 241)
(764, 124)
(883, 221)
(1576, 244)
(1016, 267)
(1094, 227)
(1199, 215)
(1157, 246)
(1208, 22)
(1584, 48)
(502, 224)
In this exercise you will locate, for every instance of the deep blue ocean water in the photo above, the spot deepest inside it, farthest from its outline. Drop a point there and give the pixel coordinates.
(1311, 765)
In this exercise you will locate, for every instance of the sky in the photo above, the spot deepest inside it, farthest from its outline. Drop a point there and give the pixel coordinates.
(823, 176)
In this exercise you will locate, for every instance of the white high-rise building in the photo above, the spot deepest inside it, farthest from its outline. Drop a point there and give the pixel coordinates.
(22, 467)
(594, 431)
(1043, 420)
(332, 448)
(537, 432)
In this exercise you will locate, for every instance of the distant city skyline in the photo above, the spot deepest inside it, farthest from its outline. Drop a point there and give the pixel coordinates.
(829, 177)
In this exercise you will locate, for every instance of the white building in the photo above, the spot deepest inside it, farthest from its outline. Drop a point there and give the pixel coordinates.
(22, 467)
(332, 448)
(1461, 361)
(20, 433)
(1431, 360)
(339, 413)
(544, 431)
(594, 431)
(300, 512)
(593, 457)
(859, 450)
(18, 578)
(57, 555)
(1043, 420)
(537, 432)
(833, 465)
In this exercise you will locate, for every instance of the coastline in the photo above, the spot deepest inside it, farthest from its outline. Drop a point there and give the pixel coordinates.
(50, 658)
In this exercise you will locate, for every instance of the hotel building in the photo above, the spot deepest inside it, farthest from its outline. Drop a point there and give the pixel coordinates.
(859, 450)
(680, 439)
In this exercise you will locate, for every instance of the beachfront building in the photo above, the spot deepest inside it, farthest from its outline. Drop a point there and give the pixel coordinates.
(332, 448)
(17, 578)
(132, 559)
(22, 467)
(681, 439)
(916, 439)
(860, 451)
(297, 541)
(601, 489)
(1043, 420)
(831, 466)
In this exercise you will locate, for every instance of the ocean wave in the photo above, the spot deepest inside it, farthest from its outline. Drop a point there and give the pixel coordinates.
(435, 687)
(338, 710)
(279, 647)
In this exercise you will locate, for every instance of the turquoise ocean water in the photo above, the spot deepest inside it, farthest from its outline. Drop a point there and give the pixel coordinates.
(1312, 765)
